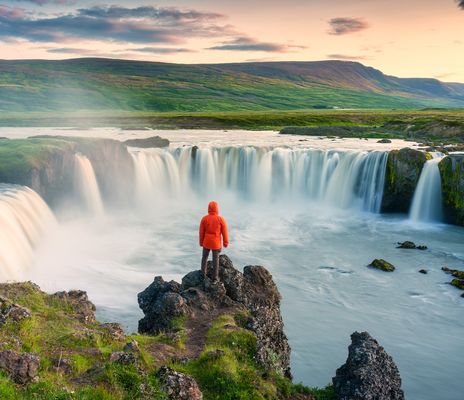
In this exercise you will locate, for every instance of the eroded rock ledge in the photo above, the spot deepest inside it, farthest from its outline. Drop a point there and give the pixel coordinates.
(252, 292)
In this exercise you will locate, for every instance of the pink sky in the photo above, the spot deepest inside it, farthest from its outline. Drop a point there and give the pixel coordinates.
(404, 38)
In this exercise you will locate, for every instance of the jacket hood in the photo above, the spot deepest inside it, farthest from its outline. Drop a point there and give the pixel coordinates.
(213, 208)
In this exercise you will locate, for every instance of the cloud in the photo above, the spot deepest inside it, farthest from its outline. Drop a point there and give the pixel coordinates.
(460, 3)
(72, 50)
(42, 2)
(344, 26)
(345, 57)
(161, 50)
(117, 24)
(11, 12)
(250, 44)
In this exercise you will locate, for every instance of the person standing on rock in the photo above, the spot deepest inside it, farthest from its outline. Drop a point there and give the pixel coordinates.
(212, 227)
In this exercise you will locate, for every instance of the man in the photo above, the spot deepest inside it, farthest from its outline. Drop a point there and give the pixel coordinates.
(212, 227)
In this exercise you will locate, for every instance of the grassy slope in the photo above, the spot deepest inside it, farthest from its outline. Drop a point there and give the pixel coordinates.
(54, 332)
(91, 84)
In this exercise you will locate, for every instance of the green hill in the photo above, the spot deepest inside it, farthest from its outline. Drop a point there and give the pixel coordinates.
(106, 84)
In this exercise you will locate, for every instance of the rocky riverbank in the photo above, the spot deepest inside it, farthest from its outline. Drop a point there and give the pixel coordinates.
(198, 340)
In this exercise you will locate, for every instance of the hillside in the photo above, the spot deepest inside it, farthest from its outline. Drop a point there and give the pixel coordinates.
(106, 84)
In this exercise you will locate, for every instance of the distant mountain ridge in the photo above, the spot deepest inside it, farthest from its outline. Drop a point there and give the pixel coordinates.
(107, 84)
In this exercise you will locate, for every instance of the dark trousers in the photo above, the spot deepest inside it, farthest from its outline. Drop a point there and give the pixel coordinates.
(204, 262)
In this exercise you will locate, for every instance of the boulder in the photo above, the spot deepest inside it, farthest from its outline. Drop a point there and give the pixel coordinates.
(253, 291)
(11, 311)
(402, 175)
(410, 245)
(423, 271)
(384, 141)
(122, 357)
(114, 330)
(382, 265)
(452, 184)
(454, 272)
(369, 372)
(178, 386)
(459, 283)
(22, 368)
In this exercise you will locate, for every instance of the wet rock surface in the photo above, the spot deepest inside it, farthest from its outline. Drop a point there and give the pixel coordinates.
(22, 367)
(382, 265)
(410, 245)
(402, 175)
(452, 182)
(369, 372)
(252, 291)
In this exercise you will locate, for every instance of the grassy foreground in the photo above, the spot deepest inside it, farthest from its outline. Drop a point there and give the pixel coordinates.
(75, 357)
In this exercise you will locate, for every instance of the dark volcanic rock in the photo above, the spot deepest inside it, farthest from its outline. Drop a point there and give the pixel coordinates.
(382, 265)
(410, 245)
(452, 183)
(384, 141)
(178, 386)
(456, 273)
(22, 368)
(459, 283)
(423, 271)
(253, 290)
(151, 142)
(12, 311)
(402, 175)
(369, 372)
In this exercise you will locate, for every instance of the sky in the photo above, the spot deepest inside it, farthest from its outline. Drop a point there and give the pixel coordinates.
(406, 38)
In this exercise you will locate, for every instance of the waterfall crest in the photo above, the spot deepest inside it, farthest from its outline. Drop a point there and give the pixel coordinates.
(342, 179)
(427, 201)
(24, 217)
(86, 185)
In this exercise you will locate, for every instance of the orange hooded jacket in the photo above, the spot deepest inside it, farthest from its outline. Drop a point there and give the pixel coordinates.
(212, 226)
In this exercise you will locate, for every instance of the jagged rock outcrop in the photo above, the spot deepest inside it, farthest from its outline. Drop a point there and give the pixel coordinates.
(253, 291)
(369, 372)
(402, 175)
(452, 183)
(178, 386)
(22, 368)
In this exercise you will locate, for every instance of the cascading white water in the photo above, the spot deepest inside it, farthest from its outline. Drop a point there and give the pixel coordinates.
(427, 201)
(24, 217)
(86, 185)
(340, 178)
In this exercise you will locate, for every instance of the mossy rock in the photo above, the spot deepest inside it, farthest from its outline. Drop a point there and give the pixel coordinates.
(402, 175)
(382, 265)
(452, 184)
(459, 283)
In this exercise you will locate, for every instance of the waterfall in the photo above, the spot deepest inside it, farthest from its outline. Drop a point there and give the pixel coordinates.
(24, 217)
(345, 179)
(427, 200)
(86, 185)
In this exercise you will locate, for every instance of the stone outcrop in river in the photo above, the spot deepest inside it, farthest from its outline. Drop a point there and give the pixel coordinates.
(253, 292)
(452, 180)
(402, 175)
(369, 372)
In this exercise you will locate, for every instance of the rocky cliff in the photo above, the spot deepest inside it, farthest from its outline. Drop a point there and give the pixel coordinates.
(402, 175)
(452, 178)
(252, 294)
